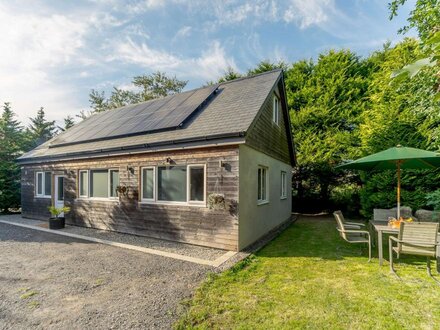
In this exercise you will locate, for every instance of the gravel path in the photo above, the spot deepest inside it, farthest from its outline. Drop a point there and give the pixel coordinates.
(152, 243)
(54, 282)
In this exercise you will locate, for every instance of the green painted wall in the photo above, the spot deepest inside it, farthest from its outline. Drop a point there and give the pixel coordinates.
(256, 220)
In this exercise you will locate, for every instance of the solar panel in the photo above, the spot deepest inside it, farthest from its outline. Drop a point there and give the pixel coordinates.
(160, 114)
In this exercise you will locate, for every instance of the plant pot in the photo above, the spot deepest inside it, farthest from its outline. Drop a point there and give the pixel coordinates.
(57, 223)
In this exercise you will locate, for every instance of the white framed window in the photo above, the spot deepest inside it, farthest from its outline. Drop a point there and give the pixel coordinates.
(98, 184)
(148, 191)
(174, 184)
(43, 184)
(276, 110)
(196, 184)
(83, 183)
(113, 183)
(263, 194)
(283, 194)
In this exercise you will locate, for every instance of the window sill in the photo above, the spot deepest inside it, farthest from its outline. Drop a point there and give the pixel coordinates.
(98, 199)
(262, 203)
(283, 198)
(44, 197)
(145, 202)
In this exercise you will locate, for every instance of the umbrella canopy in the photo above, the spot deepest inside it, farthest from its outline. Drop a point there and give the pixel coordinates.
(396, 158)
(409, 158)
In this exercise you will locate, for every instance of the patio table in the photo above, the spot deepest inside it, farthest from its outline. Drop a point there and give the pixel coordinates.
(381, 227)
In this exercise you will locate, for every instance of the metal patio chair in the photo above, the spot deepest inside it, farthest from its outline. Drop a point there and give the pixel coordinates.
(351, 232)
(415, 238)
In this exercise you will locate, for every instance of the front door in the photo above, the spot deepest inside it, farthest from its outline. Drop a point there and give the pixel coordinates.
(59, 192)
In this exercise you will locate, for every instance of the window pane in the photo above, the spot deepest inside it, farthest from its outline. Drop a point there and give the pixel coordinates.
(99, 183)
(283, 184)
(259, 184)
(263, 184)
(114, 182)
(148, 183)
(197, 183)
(47, 183)
(39, 183)
(171, 185)
(60, 193)
(83, 183)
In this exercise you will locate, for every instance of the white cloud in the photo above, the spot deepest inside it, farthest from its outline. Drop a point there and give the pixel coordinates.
(132, 52)
(308, 13)
(184, 32)
(209, 65)
(34, 46)
(299, 12)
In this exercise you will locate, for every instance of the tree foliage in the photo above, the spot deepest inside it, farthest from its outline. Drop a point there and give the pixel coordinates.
(145, 88)
(11, 146)
(68, 123)
(40, 129)
(425, 17)
(325, 99)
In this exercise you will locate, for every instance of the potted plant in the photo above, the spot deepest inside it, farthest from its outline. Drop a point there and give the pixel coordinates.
(57, 222)
(216, 201)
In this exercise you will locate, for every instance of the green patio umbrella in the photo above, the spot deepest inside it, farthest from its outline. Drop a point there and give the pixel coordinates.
(396, 158)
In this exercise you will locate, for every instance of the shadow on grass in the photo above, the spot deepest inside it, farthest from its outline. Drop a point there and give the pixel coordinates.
(316, 236)
(313, 237)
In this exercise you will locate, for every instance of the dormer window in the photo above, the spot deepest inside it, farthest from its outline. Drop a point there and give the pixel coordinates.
(276, 110)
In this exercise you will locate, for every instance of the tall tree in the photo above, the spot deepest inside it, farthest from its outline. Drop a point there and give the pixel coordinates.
(326, 99)
(40, 130)
(267, 65)
(158, 85)
(68, 123)
(11, 146)
(403, 113)
(229, 74)
(425, 18)
(146, 87)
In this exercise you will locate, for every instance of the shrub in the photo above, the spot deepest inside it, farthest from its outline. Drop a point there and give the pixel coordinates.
(433, 200)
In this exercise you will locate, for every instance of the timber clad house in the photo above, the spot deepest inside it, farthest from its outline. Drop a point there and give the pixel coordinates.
(210, 166)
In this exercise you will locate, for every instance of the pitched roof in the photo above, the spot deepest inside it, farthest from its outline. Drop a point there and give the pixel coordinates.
(226, 115)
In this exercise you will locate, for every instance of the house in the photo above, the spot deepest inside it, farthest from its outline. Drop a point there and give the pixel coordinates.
(210, 166)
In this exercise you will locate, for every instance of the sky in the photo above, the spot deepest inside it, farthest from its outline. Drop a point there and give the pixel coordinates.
(54, 52)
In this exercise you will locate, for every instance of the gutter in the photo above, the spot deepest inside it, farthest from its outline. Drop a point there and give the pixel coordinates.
(187, 143)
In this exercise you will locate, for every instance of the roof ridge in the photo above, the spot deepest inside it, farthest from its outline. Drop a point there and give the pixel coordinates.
(252, 76)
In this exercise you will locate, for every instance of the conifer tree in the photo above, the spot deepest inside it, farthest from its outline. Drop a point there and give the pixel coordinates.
(11, 146)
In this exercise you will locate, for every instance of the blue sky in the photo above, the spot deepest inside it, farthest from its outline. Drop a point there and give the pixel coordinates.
(54, 52)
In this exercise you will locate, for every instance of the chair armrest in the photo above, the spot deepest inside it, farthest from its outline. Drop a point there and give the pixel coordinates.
(395, 239)
(418, 244)
(354, 231)
(355, 224)
(392, 238)
(352, 226)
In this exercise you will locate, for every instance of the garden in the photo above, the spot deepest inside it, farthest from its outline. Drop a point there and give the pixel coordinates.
(310, 278)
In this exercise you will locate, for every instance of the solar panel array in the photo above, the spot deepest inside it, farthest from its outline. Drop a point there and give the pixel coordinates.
(161, 114)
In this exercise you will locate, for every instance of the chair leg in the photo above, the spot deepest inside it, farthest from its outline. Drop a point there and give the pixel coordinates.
(369, 248)
(391, 260)
(428, 266)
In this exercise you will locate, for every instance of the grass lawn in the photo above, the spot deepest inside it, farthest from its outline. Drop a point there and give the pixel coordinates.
(310, 278)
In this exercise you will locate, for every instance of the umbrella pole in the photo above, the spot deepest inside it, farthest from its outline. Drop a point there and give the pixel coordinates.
(398, 189)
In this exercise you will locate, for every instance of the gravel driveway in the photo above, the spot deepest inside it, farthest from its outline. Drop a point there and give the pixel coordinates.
(53, 282)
